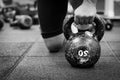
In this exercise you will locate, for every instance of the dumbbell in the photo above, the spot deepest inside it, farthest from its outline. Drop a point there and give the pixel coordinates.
(9, 13)
(108, 25)
(22, 21)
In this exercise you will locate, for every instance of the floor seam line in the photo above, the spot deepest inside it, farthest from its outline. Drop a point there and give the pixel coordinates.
(111, 50)
(18, 61)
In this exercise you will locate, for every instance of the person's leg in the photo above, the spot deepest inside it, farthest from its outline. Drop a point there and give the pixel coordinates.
(51, 15)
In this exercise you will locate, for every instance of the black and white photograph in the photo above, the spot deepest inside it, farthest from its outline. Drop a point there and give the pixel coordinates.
(59, 39)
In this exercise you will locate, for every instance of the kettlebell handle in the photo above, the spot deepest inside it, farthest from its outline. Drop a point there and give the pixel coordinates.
(98, 25)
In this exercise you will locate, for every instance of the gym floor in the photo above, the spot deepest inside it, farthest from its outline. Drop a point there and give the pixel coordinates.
(23, 56)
